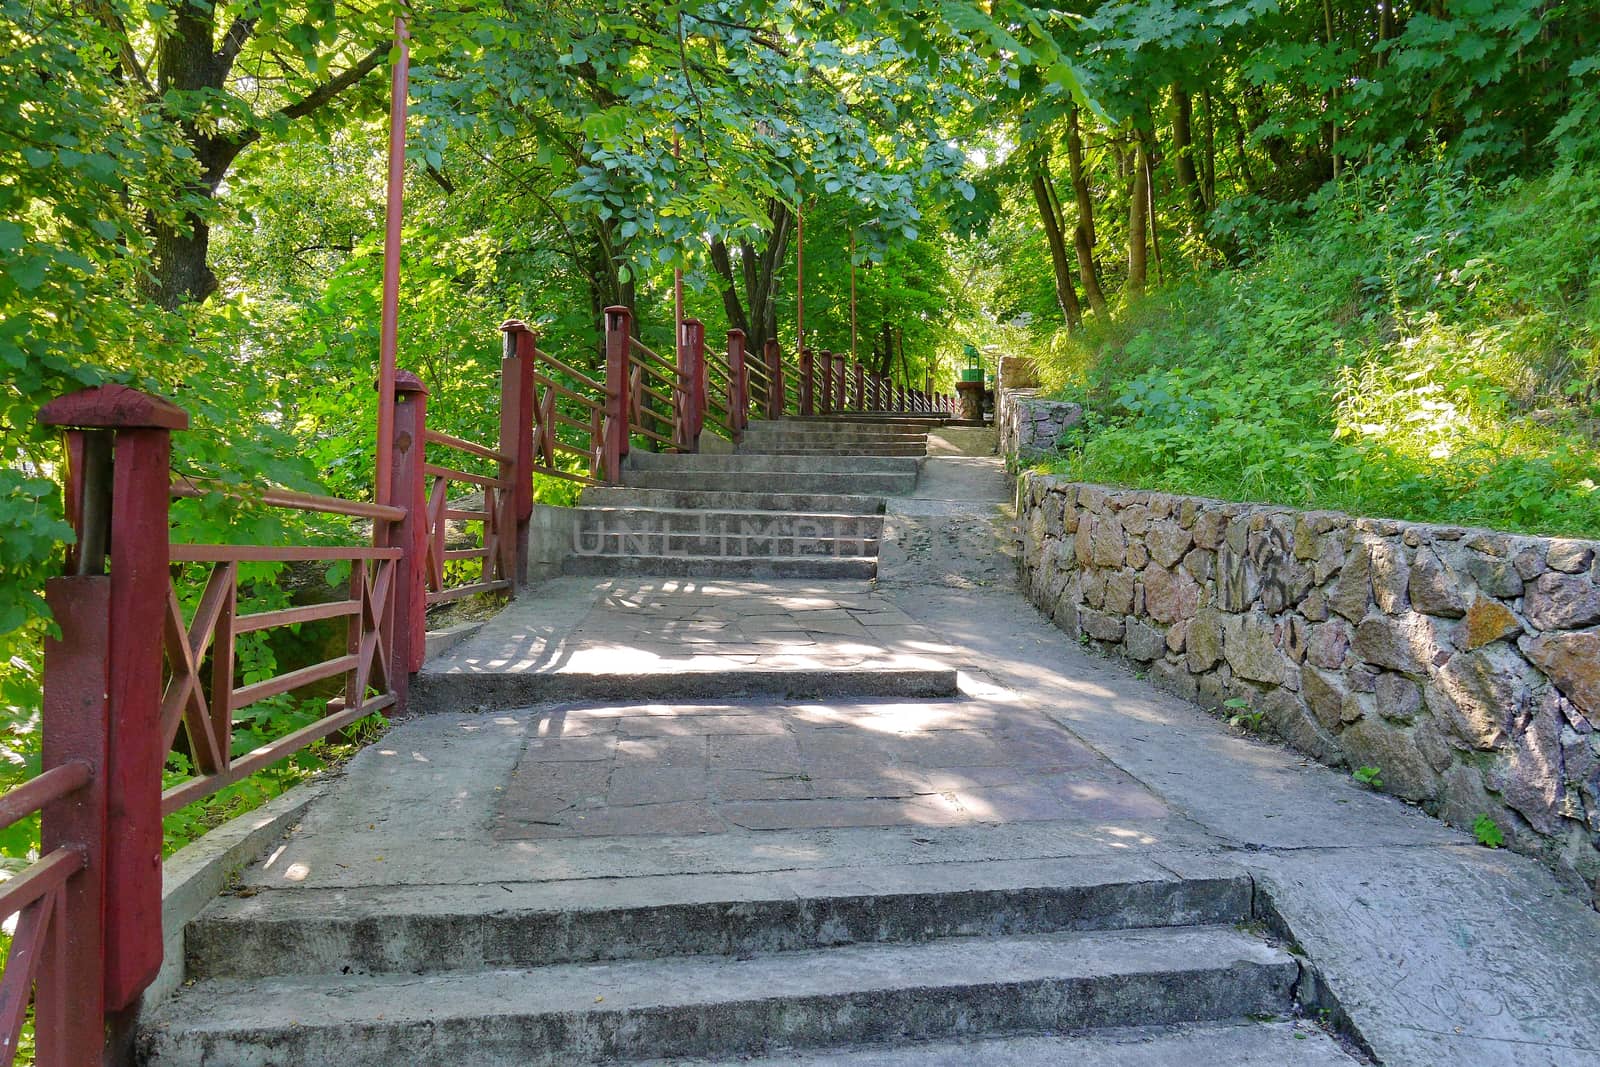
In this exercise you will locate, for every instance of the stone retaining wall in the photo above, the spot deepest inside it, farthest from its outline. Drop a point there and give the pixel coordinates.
(1029, 427)
(1463, 664)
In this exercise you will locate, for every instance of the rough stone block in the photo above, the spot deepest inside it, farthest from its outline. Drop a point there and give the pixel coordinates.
(1480, 694)
(1570, 557)
(1238, 584)
(1167, 542)
(1572, 662)
(1144, 642)
(1252, 651)
(1203, 642)
(1099, 625)
(1325, 693)
(1170, 595)
(1562, 601)
(1327, 644)
(1121, 590)
(1108, 545)
(1373, 742)
(1408, 643)
(1397, 697)
(1391, 573)
(1351, 593)
(1436, 589)
(1488, 621)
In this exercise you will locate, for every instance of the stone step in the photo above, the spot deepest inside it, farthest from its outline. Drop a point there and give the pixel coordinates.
(827, 431)
(694, 499)
(756, 481)
(729, 544)
(1249, 1044)
(605, 531)
(726, 523)
(765, 464)
(761, 448)
(753, 568)
(416, 929)
(868, 418)
(460, 692)
(716, 1006)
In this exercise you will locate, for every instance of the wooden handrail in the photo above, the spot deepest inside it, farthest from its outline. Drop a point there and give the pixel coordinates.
(569, 371)
(438, 437)
(44, 788)
(193, 488)
(181, 553)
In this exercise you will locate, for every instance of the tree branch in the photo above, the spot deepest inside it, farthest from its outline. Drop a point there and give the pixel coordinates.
(325, 92)
(232, 42)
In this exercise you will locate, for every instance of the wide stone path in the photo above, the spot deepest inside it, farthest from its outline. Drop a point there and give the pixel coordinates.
(1051, 767)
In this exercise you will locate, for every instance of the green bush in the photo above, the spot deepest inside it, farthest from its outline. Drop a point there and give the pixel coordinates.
(1422, 348)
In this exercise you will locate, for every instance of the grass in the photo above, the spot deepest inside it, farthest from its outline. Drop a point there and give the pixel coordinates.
(1424, 349)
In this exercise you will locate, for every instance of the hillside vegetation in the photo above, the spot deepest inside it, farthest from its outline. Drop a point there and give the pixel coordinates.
(1423, 347)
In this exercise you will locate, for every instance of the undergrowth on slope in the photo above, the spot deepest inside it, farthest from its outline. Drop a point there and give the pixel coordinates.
(1424, 348)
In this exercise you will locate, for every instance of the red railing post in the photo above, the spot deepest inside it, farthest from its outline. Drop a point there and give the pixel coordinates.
(861, 388)
(408, 603)
(70, 998)
(692, 362)
(807, 400)
(738, 385)
(120, 449)
(520, 343)
(839, 369)
(777, 400)
(614, 429)
(826, 405)
(509, 521)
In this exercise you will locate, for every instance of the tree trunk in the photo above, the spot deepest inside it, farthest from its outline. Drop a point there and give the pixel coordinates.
(191, 64)
(1049, 215)
(1183, 151)
(755, 311)
(1083, 236)
(1245, 173)
(1138, 221)
(1208, 172)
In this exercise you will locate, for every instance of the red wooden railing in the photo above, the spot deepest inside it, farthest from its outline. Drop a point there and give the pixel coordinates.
(132, 667)
(204, 704)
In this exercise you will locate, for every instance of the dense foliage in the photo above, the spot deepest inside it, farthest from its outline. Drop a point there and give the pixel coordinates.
(1334, 251)
(1423, 347)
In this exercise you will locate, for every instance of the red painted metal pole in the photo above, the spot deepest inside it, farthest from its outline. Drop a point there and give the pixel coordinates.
(132, 433)
(839, 379)
(614, 430)
(805, 383)
(799, 278)
(852, 294)
(826, 405)
(394, 213)
(861, 388)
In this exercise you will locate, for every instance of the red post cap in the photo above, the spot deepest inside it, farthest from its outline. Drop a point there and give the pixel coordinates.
(113, 407)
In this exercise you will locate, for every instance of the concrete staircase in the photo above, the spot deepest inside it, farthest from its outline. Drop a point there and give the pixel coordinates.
(1036, 961)
(799, 498)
